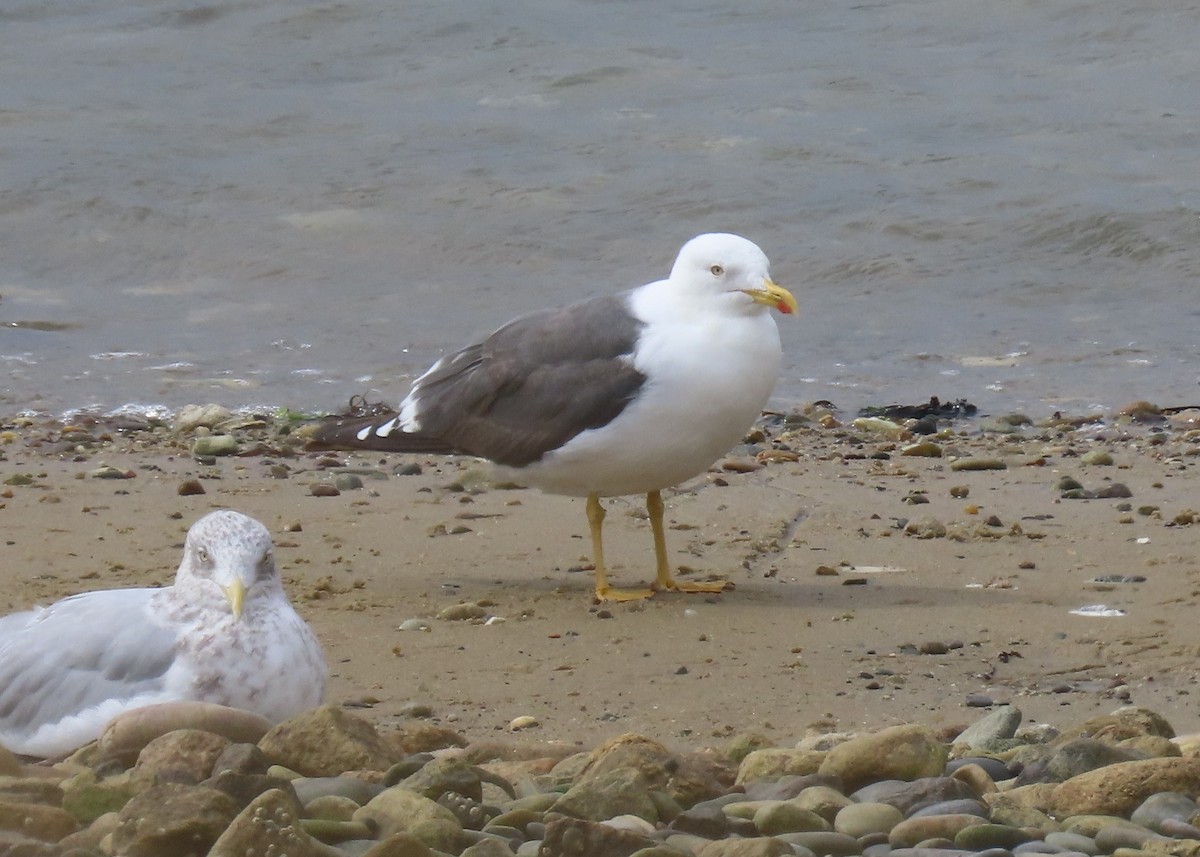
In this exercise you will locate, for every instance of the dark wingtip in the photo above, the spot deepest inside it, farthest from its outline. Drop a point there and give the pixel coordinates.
(346, 431)
(340, 431)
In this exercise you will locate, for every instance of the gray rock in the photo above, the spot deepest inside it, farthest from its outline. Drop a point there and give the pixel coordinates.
(825, 843)
(47, 823)
(1072, 842)
(333, 832)
(269, 825)
(400, 810)
(789, 786)
(328, 741)
(707, 820)
(183, 756)
(773, 819)
(762, 847)
(778, 762)
(597, 798)
(331, 808)
(908, 797)
(657, 851)
(1115, 836)
(911, 831)
(244, 788)
(1120, 789)
(172, 820)
(1129, 721)
(396, 845)
(439, 776)
(309, 789)
(862, 819)
(215, 444)
(822, 800)
(574, 837)
(191, 417)
(997, 770)
(1160, 807)
(241, 759)
(1082, 755)
(487, 848)
(962, 806)
(981, 837)
(687, 777)
(907, 752)
(999, 724)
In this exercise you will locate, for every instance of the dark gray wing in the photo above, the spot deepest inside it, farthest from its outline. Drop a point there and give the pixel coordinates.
(78, 653)
(527, 389)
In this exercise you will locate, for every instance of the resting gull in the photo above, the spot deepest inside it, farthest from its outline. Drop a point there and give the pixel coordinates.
(223, 633)
(620, 394)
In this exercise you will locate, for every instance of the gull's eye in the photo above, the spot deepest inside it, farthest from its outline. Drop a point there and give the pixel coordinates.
(716, 270)
(202, 555)
(266, 566)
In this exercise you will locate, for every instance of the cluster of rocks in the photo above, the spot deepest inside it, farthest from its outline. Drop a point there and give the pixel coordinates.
(328, 784)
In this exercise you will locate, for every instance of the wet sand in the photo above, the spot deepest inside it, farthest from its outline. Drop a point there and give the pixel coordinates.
(835, 598)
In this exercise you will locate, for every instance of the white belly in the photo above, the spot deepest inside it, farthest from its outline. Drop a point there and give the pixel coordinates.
(706, 386)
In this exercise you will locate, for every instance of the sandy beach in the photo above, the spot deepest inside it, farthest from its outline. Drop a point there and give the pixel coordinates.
(872, 586)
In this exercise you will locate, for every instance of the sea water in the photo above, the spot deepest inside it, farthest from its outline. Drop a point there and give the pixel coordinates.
(283, 203)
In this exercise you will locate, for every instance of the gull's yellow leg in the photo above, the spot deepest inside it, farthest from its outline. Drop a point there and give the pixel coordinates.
(664, 579)
(604, 592)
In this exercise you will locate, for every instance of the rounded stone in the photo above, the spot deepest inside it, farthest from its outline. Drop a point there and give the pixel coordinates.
(980, 837)
(826, 843)
(863, 819)
(906, 752)
(911, 831)
(1072, 842)
(785, 817)
(962, 806)
(215, 444)
(824, 801)
(1162, 806)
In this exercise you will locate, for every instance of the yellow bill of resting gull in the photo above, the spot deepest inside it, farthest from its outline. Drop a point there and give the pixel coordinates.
(627, 393)
(224, 632)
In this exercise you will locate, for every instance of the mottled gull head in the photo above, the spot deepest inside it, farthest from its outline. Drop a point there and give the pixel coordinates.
(228, 560)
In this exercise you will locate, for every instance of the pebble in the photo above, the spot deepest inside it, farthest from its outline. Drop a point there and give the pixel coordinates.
(189, 487)
(215, 444)
(891, 792)
(998, 725)
(108, 472)
(971, 464)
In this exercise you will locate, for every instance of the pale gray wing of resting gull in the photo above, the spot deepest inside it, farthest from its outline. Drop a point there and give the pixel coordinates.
(224, 632)
(626, 393)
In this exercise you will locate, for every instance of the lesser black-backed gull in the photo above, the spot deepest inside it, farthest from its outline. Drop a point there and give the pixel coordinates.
(622, 394)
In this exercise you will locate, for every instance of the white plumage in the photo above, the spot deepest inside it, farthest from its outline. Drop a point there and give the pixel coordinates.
(223, 633)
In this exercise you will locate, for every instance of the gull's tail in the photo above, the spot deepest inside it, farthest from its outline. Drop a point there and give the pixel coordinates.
(368, 426)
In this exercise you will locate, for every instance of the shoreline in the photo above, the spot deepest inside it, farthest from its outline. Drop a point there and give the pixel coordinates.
(874, 587)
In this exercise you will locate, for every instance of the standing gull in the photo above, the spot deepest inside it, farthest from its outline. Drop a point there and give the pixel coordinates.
(223, 633)
(621, 394)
